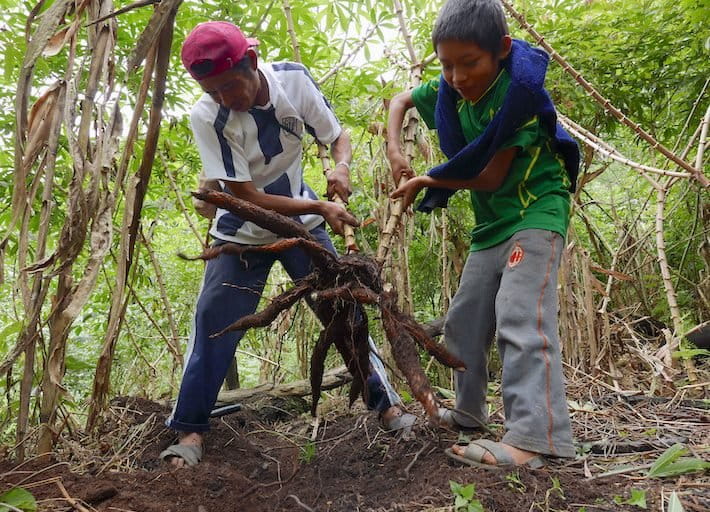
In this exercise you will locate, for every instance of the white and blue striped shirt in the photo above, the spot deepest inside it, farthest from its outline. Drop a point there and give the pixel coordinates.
(264, 144)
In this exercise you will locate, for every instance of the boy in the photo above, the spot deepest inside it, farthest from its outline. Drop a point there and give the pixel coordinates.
(497, 126)
(248, 128)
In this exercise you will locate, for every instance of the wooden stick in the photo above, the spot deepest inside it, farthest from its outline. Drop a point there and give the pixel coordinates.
(348, 231)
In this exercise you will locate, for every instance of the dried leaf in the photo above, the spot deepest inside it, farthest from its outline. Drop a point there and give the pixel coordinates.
(40, 122)
(43, 106)
(56, 43)
(149, 36)
(50, 20)
(618, 275)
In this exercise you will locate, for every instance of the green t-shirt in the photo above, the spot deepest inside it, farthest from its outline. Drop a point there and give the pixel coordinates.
(534, 195)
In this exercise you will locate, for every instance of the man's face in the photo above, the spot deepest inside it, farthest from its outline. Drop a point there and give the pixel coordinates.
(236, 90)
(468, 68)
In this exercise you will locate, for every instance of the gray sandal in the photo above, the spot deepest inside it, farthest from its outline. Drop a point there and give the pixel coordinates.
(476, 450)
(446, 418)
(404, 422)
(190, 453)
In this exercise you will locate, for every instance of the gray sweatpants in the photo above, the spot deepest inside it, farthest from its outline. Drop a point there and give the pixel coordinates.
(511, 289)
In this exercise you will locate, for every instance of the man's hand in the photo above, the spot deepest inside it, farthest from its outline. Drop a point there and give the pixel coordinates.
(337, 217)
(207, 210)
(339, 183)
(203, 208)
(409, 190)
(399, 166)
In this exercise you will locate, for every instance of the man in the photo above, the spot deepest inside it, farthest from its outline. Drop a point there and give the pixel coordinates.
(248, 128)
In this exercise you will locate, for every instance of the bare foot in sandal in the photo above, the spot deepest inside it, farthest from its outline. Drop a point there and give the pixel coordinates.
(484, 452)
(188, 451)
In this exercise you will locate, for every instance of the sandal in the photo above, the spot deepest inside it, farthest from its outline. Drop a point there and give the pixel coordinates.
(403, 422)
(190, 453)
(476, 450)
(446, 418)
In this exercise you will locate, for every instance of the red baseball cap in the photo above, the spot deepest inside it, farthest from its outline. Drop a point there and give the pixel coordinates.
(214, 47)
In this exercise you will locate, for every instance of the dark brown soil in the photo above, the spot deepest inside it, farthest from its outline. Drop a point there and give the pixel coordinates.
(261, 459)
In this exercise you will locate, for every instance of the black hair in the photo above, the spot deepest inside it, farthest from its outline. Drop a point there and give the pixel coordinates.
(243, 64)
(477, 21)
(204, 67)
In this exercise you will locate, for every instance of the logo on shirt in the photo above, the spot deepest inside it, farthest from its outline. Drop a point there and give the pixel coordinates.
(292, 125)
(516, 256)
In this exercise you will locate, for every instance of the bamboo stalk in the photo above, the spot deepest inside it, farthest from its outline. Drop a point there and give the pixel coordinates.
(609, 151)
(605, 103)
(348, 231)
(410, 131)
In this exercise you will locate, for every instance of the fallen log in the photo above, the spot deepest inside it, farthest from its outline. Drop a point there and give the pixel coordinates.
(333, 378)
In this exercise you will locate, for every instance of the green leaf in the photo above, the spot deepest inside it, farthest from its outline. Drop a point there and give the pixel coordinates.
(674, 504)
(446, 393)
(638, 498)
(460, 502)
(10, 329)
(18, 498)
(681, 467)
(666, 458)
(690, 353)
(468, 491)
(406, 397)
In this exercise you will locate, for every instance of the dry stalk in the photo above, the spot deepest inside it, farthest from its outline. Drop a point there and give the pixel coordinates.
(410, 131)
(173, 341)
(608, 151)
(163, 22)
(348, 231)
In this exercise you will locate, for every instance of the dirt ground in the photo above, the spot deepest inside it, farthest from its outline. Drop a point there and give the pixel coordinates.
(262, 459)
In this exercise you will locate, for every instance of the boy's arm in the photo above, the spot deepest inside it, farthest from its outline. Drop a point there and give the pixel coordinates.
(399, 105)
(490, 179)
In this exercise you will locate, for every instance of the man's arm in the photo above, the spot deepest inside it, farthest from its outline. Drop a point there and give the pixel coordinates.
(335, 215)
(490, 179)
(339, 177)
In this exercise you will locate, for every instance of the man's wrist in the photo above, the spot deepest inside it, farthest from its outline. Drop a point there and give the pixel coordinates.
(317, 207)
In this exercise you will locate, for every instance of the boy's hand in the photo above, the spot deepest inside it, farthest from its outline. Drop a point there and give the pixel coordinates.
(399, 167)
(339, 183)
(337, 216)
(409, 190)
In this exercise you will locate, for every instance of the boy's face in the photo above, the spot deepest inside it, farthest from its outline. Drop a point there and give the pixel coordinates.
(468, 68)
(236, 90)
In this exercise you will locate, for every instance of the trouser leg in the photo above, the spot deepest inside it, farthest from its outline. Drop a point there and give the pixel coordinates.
(468, 333)
(526, 308)
(231, 289)
(381, 395)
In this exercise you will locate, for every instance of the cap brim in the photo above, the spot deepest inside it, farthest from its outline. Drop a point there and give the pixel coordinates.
(252, 41)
